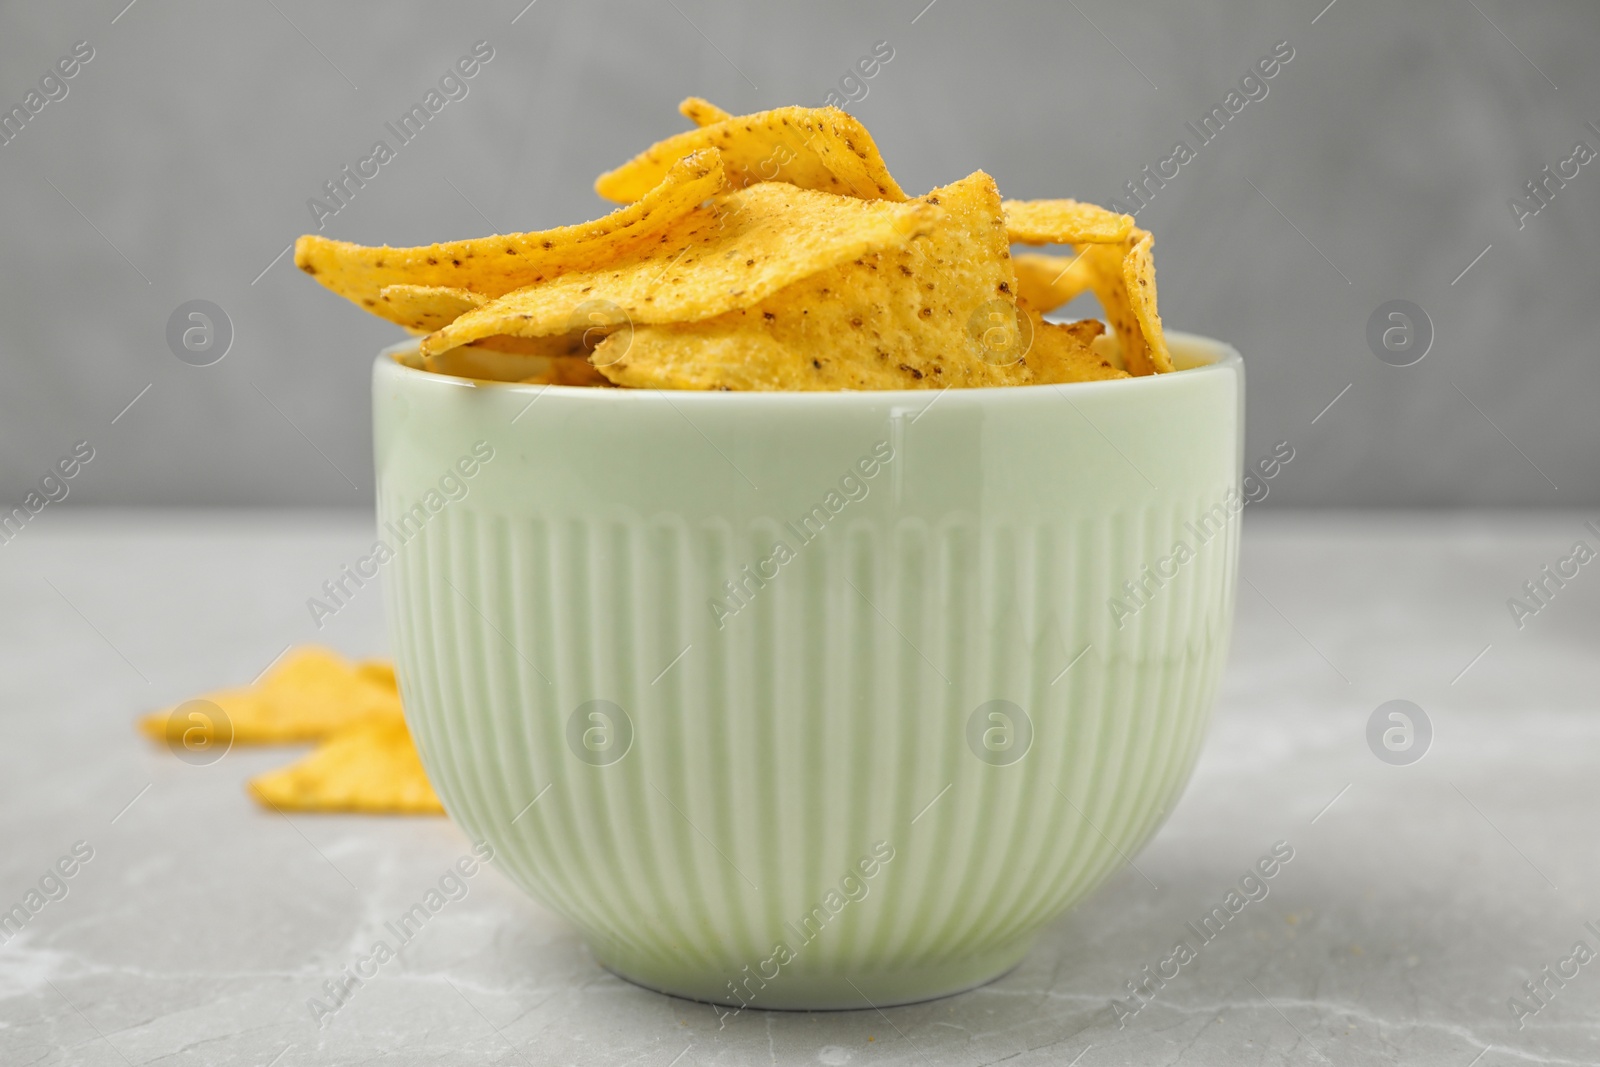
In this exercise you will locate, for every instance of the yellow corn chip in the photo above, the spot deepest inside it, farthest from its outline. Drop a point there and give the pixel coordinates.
(493, 266)
(425, 308)
(1044, 283)
(739, 249)
(1124, 280)
(555, 360)
(536, 360)
(702, 112)
(498, 359)
(370, 767)
(1105, 267)
(540, 359)
(908, 317)
(568, 372)
(521, 346)
(380, 671)
(410, 357)
(310, 694)
(556, 345)
(815, 148)
(1062, 352)
(1139, 275)
(1064, 222)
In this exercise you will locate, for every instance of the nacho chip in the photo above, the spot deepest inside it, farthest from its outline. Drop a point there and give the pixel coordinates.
(425, 308)
(702, 112)
(543, 347)
(493, 266)
(1064, 222)
(901, 318)
(1063, 352)
(1044, 283)
(1124, 281)
(310, 694)
(1105, 268)
(370, 767)
(555, 360)
(569, 372)
(380, 671)
(540, 358)
(771, 251)
(739, 249)
(547, 347)
(1139, 275)
(815, 148)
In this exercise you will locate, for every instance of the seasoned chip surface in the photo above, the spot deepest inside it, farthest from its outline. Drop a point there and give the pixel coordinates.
(1061, 353)
(702, 112)
(814, 148)
(1064, 222)
(904, 318)
(492, 266)
(741, 248)
(1139, 276)
(425, 308)
(1124, 280)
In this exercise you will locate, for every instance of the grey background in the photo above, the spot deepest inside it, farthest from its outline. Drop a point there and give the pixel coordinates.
(180, 163)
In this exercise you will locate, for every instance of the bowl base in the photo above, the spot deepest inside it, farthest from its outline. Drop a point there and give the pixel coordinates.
(836, 991)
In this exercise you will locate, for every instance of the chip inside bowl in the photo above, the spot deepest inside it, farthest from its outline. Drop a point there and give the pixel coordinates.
(1124, 280)
(494, 266)
(702, 112)
(733, 252)
(1044, 283)
(770, 251)
(815, 148)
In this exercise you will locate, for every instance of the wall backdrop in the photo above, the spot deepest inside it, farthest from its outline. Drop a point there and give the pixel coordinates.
(1380, 163)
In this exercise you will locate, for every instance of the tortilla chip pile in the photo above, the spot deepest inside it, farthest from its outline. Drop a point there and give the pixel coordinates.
(364, 760)
(771, 251)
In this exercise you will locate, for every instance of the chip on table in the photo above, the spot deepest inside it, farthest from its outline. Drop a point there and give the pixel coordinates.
(371, 767)
(364, 760)
(309, 694)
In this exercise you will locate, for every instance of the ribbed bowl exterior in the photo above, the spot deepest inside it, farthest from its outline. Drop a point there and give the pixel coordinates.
(872, 771)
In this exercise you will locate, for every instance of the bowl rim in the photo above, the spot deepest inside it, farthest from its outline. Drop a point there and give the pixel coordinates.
(1225, 359)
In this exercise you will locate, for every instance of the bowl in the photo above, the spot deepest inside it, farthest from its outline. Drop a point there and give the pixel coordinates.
(810, 700)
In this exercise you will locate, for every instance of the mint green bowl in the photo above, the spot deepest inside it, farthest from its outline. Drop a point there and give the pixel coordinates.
(863, 768)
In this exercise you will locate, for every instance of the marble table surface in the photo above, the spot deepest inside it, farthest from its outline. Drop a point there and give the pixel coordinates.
(1419, 900)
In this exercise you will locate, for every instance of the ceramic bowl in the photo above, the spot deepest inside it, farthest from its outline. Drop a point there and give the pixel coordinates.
(811, 700)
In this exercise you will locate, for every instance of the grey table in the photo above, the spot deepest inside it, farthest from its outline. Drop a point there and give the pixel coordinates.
(1418, 900)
